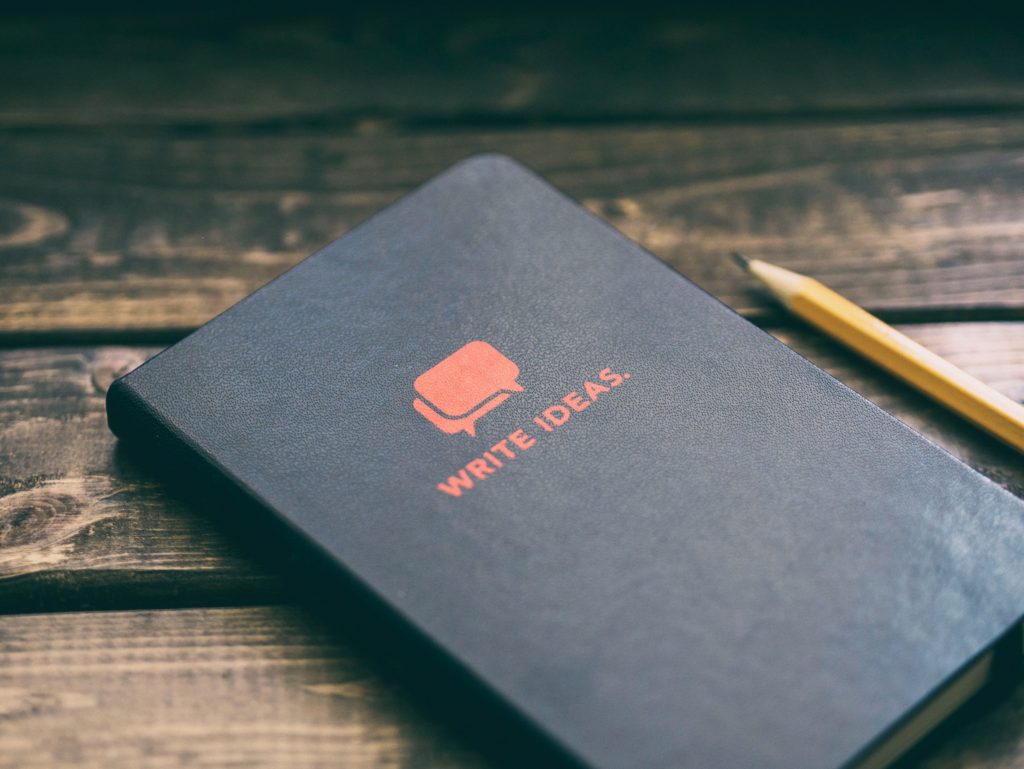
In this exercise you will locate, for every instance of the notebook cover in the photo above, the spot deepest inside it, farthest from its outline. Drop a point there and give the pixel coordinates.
(657, 533)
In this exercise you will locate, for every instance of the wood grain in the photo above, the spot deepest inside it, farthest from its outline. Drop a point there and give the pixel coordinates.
(918, 220)
(81, 525)
(268, 687)
(601, 62)
(253, 687)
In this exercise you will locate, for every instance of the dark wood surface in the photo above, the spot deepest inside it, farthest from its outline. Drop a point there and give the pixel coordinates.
(155, 169)
(915, 219)
(581, 63)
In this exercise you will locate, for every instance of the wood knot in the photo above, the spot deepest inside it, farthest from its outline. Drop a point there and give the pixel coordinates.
(38, 525)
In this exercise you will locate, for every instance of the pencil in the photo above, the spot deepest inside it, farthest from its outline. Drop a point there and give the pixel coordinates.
(879, 342)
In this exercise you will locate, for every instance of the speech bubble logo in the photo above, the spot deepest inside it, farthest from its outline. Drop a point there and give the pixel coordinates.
(472, 381)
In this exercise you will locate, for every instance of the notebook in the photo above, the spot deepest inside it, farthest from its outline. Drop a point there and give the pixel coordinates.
(656, 534)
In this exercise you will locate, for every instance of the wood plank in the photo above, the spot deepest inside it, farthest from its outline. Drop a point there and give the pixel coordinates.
(253, 687)
(269, 687)
(143, 233)
(81, 524)
(191, 67)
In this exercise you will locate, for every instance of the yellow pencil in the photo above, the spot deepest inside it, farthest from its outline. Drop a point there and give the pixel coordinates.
(863, 332)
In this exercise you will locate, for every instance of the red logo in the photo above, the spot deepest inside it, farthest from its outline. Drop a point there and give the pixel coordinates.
(463, 387)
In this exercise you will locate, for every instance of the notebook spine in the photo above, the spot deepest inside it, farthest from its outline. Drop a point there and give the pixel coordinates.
(135, 423)
(155, 443)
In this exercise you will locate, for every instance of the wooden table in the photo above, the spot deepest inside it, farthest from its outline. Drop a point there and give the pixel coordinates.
(154, 170)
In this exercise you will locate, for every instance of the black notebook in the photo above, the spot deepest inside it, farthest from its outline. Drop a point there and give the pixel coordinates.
(655, 533)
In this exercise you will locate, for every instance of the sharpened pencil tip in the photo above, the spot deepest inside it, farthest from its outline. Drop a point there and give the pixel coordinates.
(741, 260)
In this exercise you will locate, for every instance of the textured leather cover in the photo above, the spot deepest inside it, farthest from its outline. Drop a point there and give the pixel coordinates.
(726, 560)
